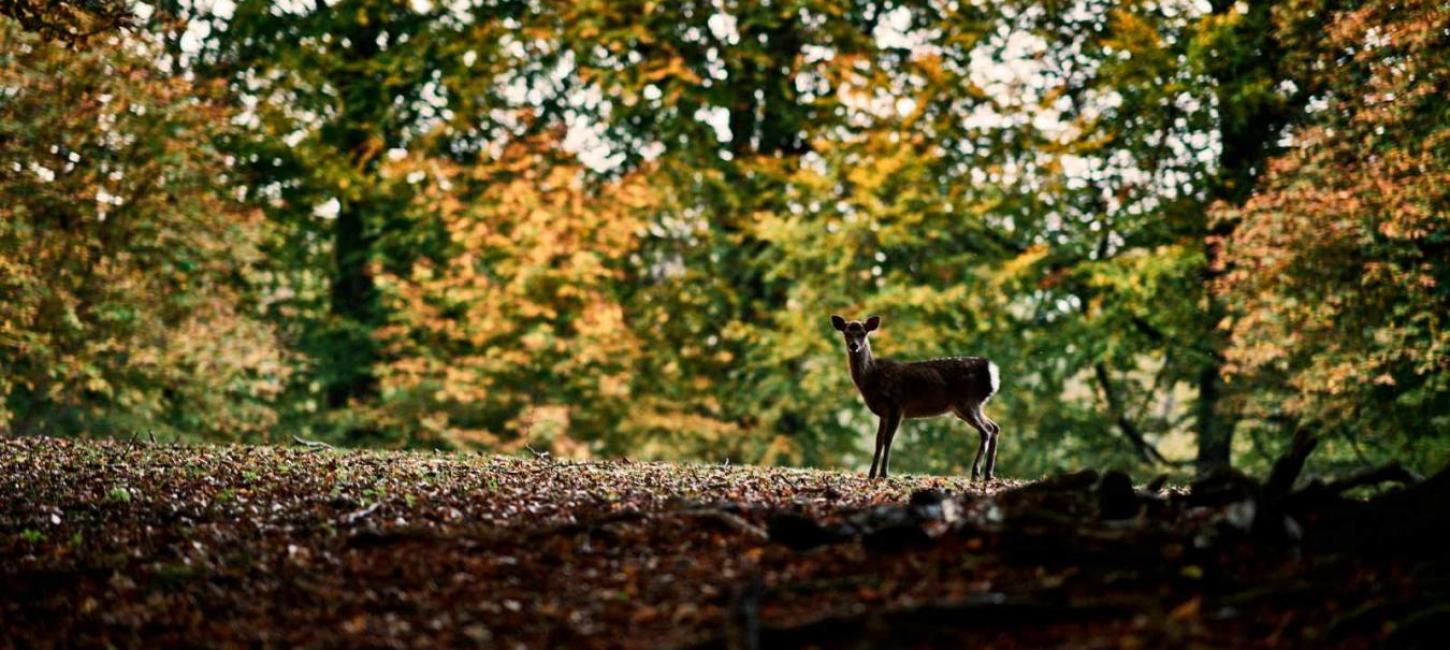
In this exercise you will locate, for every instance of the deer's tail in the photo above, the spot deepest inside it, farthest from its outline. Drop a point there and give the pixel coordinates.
(994, 380)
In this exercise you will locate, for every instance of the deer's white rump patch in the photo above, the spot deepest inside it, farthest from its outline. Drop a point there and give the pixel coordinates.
(993, 381)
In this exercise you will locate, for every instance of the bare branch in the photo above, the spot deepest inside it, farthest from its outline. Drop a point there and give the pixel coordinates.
(1146, 451)
(70, 21)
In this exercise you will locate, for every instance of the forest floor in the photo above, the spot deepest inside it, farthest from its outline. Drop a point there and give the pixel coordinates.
(134, 544)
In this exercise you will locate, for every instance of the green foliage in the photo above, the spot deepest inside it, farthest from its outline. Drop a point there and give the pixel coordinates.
(124, 258)
(619, 227)
(332, 94)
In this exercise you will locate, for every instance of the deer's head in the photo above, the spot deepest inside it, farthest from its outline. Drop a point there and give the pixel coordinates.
(856, 331)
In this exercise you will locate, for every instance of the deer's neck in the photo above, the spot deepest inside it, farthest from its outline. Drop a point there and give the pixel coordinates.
(861, 362)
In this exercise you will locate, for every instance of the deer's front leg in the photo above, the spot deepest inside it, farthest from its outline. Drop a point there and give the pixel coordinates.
(888, 433)
(876, 457)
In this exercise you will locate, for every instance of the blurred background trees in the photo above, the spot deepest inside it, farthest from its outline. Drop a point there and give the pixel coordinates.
(1183, 229)
(1336, 266)
(128, 267)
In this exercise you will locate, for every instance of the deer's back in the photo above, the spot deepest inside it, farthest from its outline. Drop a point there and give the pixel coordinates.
(928, 388)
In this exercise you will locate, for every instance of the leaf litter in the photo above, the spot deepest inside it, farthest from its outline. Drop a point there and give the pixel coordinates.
(108, 543)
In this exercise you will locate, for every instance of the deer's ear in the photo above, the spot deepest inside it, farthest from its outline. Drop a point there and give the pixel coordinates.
(872, 323)
(838, 322)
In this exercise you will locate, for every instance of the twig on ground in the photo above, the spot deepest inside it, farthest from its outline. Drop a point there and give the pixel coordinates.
(312, 444)
(353, 517)
(728, 520)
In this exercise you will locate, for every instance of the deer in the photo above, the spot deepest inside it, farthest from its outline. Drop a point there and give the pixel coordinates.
(895, 390)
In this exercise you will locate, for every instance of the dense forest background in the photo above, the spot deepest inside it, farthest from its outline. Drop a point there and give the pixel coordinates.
(1184, 230)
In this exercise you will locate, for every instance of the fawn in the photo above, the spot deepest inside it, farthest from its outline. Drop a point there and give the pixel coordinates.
(920, 389)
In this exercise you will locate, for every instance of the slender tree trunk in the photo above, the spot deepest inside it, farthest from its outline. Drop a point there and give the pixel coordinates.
(1215, 428)
(1249, 124)
(354, 299)
(1213, 422)
(351, 351)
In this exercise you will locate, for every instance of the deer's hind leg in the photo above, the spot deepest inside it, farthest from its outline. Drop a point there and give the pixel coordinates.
(991, 441)
(972, 414)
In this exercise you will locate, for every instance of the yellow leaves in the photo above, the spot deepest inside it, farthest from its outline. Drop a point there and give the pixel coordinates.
(781, 229)
(1132, 33)
(672, 68)
(1019, 267)
(97, 384)
(668, 431)
(614, 386)
(462, 437)
(536, 340)
(782, 451)
(880, 169)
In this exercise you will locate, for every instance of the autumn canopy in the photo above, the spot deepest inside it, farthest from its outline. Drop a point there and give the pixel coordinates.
(1183, 229)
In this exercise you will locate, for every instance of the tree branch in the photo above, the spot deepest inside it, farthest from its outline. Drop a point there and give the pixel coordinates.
(1146, 451)
(67, 20)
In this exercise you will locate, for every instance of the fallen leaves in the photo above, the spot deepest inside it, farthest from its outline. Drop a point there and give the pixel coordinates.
(245, 546)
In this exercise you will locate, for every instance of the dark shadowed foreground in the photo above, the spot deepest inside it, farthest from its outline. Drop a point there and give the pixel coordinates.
(145, 545)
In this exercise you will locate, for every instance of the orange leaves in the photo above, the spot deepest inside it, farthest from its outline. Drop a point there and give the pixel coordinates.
(1331, 268)
(520, 312)
(673, 68)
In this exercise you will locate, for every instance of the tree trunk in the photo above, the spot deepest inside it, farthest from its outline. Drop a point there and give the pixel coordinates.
(350, 351)
(1250, 120)
(1215, 428)
(354, 299)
